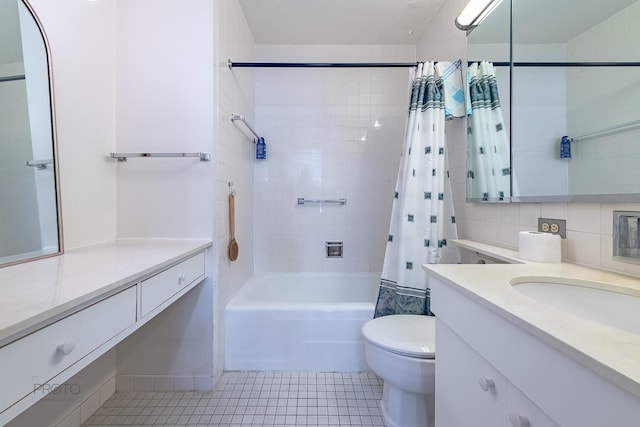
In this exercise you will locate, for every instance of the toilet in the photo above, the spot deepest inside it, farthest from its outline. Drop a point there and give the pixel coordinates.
(400, 349)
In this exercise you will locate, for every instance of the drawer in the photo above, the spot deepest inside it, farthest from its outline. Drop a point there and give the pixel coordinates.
(159, 288)
(37, 358)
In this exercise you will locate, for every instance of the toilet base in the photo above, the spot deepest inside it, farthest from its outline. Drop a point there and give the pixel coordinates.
(404, 409)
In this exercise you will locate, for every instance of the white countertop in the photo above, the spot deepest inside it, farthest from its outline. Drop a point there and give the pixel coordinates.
(610, 352)
(38, 293)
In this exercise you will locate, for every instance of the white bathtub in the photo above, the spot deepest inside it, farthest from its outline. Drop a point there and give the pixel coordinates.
(300, 321)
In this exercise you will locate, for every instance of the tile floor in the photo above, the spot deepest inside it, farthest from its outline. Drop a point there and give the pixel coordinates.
(254, 399)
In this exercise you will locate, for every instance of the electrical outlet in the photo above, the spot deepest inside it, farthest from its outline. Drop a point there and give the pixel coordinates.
(553, 226)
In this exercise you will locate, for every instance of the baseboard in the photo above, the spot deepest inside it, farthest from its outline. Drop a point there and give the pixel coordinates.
(127, 382)
(80, 414)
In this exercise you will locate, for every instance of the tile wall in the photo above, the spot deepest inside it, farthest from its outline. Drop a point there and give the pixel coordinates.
(234, 159)
(330, 133)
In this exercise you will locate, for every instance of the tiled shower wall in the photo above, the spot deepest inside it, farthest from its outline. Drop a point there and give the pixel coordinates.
(234, 162)
(330, 133)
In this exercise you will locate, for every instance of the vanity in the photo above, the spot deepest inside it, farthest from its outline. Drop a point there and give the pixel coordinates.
(506, 358)
(59, 314)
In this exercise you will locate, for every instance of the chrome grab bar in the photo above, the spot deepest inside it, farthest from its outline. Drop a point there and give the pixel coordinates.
(302, 201)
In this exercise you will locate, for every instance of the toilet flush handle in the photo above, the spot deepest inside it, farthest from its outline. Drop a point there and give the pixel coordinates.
(486, 383)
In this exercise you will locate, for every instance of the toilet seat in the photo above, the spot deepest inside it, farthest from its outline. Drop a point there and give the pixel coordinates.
(404, 334)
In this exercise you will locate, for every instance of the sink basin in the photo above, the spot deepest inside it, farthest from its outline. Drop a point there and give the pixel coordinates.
(589, 300)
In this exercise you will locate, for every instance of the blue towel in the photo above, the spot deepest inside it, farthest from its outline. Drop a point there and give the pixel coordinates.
(454, 89)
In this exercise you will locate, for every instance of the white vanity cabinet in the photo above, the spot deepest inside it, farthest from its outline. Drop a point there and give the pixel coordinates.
(30, 363)
(492, 372)
(483, 396)
(160, 288)
(54, 325)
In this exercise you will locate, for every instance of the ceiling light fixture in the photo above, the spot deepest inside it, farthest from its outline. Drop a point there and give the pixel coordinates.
(474, 12)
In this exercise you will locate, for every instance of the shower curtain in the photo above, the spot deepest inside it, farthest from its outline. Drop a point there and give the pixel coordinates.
(489, 173)
(419, 221)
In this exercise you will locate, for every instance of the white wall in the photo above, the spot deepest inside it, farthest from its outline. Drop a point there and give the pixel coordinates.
(164, 103)
(164, 89)
(322, 144)
(235, 158)
(589, 225)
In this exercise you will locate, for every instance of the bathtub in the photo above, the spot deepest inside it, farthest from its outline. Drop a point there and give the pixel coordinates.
(300, 321)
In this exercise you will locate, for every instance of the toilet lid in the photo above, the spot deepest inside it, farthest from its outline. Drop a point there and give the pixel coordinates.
(406, 334)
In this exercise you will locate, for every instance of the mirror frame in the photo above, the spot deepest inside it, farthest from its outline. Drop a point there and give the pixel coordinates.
(592, 198)
(54, 148)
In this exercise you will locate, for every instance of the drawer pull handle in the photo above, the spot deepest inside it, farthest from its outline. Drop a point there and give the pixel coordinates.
(519, 420)
(486, 383)
(181, 278)
(65, 347)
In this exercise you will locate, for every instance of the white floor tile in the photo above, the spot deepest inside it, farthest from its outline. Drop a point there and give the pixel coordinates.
(281, 398)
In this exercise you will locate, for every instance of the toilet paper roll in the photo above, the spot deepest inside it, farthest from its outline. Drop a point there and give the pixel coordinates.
(539, 247)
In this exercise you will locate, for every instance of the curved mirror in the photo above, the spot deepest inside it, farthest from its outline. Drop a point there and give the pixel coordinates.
(29, 207)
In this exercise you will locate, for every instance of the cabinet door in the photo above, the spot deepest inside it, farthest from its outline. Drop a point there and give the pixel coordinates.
(522, 412)
(469, 391)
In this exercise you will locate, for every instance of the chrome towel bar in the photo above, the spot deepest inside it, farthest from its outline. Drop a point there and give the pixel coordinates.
(618, 128)
(39, 164)
(241, 118)
(122, 157)
(302, 201)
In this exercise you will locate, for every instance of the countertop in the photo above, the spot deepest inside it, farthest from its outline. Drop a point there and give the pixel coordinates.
(612, 353)
(37, 293)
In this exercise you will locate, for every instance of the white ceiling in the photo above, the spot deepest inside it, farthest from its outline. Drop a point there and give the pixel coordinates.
(339, 21)
(404, 21)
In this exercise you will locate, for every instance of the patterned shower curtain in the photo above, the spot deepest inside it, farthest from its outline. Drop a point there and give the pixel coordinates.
(489, 173)
(419, 223)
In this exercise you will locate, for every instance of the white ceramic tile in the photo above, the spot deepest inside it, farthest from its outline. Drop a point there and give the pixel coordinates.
(554, 210)
(585, 217)
(322, 160)
(107, 390)
(584, 248)
(184, 383)
(89, 406)
(71, 420)
(203, 383)
(164, 383)
(255, 399)
(124, 383)
(143, 382)
(529, 214)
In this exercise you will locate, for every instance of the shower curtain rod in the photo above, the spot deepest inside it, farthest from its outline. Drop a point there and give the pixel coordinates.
(322, 64)
(413, 64)
(563, 64)
(11, 78)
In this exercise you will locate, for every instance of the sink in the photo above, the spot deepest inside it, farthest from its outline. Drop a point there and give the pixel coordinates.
(594, 301)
